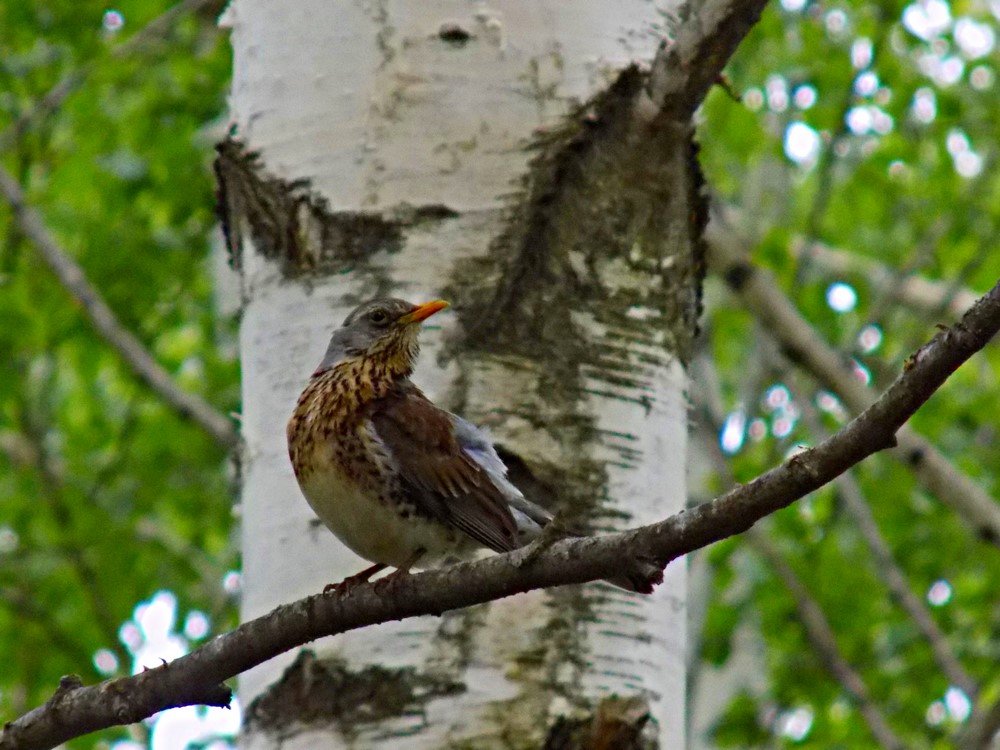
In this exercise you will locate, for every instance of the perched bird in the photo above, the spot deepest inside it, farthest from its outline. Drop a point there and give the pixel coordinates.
(401, 482)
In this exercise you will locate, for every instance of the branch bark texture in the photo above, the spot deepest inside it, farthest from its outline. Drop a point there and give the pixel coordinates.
(197, 677)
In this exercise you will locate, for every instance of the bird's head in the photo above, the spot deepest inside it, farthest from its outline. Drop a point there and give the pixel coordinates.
(381, 333)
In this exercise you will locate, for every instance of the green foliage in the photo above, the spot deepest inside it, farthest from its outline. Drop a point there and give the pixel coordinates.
(107, 495)
(896, 198)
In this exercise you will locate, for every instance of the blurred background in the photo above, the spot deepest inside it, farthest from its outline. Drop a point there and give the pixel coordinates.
(853, 157)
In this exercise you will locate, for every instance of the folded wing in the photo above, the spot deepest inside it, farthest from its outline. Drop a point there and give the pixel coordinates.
(443, 479)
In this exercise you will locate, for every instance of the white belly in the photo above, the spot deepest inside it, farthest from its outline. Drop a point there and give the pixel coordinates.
(373, 530)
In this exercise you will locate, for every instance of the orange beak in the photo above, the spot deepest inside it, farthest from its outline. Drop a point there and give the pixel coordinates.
(424, 311)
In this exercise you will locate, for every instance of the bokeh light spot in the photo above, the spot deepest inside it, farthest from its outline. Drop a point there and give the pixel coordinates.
(754, 99)
(870, 338)
(939, 593)
(802, 144)
(196, 625)
(795, 724)
(112, 21)
(232, 583)
(804, 96)
(981, 78)
(861, 53)
(777, 93)
(841, 297)
(835, 22)
(927, 18)
(924, 107)
(859, 120)
(731, 436)
(958, 704)
(105, 661)
(974, 39)
(936, 713)
(8, 540)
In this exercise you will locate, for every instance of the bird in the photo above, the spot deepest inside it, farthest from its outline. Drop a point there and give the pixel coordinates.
(400, 481)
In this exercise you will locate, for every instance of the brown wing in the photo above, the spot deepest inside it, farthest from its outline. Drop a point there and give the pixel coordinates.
(442, 480)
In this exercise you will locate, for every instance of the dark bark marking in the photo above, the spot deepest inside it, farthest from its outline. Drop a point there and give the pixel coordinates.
(292, 224)
(454, 34)
(320, 693)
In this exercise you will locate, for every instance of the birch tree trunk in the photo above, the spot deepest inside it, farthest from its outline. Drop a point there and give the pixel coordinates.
(493, 154)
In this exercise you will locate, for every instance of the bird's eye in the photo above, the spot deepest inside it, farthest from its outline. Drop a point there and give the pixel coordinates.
(378, 316)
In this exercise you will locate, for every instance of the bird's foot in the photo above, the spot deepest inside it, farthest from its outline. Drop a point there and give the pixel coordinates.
(352, 582)
(385, 584)
(382, 585)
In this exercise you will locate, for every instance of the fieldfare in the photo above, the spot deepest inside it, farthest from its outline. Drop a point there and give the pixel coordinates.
(401, 482)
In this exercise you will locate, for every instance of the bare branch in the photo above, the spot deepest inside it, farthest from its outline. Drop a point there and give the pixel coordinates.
(824, 642)
(764, 298)
(983, 730)
(892, 575)
(197, 677)
(55, 96)
(886, 567)
(929, 296)
(917, 292)
(818, 631)
(131, 350)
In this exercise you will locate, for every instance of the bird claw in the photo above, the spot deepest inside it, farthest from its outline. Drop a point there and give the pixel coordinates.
(345, 587)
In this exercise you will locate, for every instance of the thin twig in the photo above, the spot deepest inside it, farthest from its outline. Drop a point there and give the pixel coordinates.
(886, 567)
(919, 293)
(821, 636)
(50, 101)
(802, 343)
(197, 677)
(983, 730)
(69, 548)
(890, 571)
(131, 350)
(819, 633)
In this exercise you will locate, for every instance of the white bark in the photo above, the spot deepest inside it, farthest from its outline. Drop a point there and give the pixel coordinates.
(367, 102)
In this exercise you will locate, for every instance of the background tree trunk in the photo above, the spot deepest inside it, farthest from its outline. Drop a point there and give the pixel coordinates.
(494, 155)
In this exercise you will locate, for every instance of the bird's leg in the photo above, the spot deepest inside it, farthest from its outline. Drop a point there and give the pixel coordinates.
(554, 531)
(383, 584)
(353, 581)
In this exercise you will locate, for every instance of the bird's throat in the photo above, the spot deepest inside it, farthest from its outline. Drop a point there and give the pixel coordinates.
(346, 388)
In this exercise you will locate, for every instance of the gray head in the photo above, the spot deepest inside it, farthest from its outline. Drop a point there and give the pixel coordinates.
(384, 330)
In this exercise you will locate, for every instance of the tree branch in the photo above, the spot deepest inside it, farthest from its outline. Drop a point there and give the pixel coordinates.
(69, 83)
(800, 341)
(818, 631)
(821, 636)
(892, 575)
(131, 350)
(983, 728)
(686, 67)
(197, 677)
(886, 568)
(919, 293)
